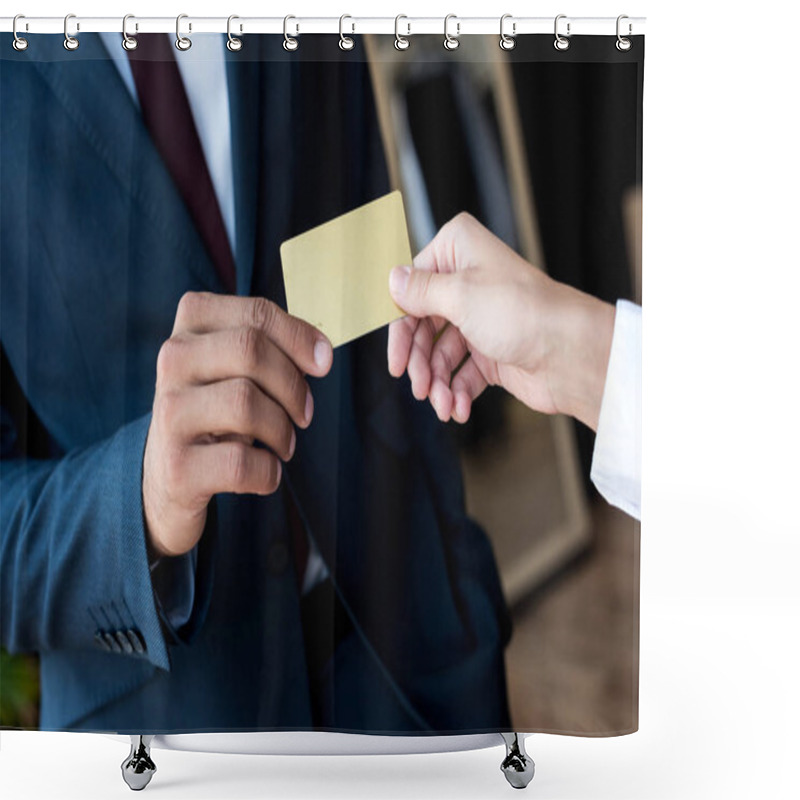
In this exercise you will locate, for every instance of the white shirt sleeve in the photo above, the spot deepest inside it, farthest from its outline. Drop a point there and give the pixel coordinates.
(617, 459)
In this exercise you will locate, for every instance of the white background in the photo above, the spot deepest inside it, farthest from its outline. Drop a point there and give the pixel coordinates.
(720, 604)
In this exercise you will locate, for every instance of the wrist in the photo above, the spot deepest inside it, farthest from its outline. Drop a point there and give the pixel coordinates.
(156, 523)
(580, 362)
(155, 551)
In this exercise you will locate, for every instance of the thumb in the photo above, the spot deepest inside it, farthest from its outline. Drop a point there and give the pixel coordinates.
(423, 293)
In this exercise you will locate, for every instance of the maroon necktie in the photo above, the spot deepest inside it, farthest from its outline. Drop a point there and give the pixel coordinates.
(168, 116)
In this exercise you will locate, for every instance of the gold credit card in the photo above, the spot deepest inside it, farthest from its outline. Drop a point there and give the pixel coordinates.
(337, 274)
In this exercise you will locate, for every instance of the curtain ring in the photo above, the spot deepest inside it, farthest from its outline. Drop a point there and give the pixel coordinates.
(346, 42)
(19, 44)
(507, 42)
(561, 42)
(401, 42)
(70, 42)
(182, 42)
(128, 42)
(289, 43)
(623, 44)
(451, 42)
(233, 44)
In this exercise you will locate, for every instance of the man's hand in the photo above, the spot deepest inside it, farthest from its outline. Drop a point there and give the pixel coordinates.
(231, 375)
(509, 325)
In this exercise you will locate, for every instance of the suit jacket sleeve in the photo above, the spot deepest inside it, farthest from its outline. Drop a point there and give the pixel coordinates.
(73, 564)
(73, 560)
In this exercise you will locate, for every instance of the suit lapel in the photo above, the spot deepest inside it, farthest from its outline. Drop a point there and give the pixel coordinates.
(94, 95)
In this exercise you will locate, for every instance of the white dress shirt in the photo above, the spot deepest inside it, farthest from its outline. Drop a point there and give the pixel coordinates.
(617, 459)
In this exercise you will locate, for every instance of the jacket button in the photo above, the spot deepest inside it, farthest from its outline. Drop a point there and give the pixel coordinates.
(278, 558)
(124, 642)
(101, 642)
(113, 644)
(136, 641)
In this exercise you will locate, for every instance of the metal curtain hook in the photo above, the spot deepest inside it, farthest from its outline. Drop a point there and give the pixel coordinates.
(288, 42)
(401, 42)
(507, 42)
(70, 42)
(623, 44)
(182, 42)
(128, 42)
(233, 44)
(346, 42)
(19, 43)
(451, 42)
(561, 42)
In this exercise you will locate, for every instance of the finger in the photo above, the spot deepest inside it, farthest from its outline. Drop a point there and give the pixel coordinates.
(401, 332)
(309, 348)
(449, 351)
(230, 467)
(232, 353)
(467, 384)
(398, 348)
(419, 369)
(424, 293)
(236, 406)
(441, 399)
(228, 437)
(441, 254)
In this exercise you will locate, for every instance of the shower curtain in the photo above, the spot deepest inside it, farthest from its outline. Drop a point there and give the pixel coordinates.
(385, 572)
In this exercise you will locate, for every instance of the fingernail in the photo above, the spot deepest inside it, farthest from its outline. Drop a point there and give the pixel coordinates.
(309, 408)
(293, 443)
(398, 280)
(322, 353)
(461, 408)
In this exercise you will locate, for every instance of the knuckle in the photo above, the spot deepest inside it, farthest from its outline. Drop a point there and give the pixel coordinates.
(249, 347)
(169, 357)
(454, 235)
(237, 465)
(190, 306)
(244, 400)
(457, 223)
(262, 313)
(463, 220)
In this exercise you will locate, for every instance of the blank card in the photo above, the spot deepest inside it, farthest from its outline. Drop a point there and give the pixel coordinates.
(337, 274)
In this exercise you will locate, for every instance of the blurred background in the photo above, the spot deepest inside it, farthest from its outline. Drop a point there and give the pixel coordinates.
(547, 155)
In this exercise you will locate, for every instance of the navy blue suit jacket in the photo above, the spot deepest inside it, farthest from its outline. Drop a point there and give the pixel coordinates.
(97, 249)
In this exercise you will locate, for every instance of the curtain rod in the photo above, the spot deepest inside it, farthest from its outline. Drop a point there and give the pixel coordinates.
(457, 26)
